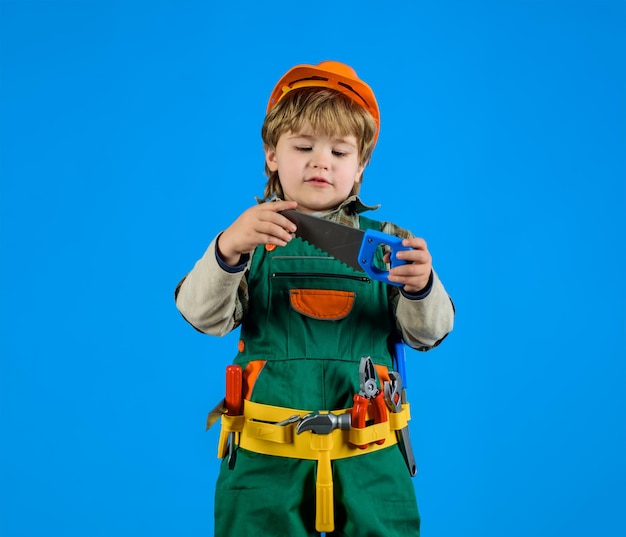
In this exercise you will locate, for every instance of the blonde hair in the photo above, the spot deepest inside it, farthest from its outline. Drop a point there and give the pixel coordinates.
(328, 112)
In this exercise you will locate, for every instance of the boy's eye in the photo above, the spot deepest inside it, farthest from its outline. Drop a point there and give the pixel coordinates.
(303, 148)
(339, 153)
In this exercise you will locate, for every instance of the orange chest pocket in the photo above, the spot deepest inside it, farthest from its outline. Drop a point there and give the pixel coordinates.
(322, 304)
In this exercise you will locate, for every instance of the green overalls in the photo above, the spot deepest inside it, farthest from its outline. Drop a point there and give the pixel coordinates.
(310, 320)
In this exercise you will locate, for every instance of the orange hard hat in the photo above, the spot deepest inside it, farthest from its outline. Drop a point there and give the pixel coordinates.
(328, 74)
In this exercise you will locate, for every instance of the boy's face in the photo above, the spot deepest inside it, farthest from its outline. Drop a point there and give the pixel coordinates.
(316, 170)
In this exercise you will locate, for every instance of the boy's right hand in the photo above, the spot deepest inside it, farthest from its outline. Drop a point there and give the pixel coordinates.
(261, 224)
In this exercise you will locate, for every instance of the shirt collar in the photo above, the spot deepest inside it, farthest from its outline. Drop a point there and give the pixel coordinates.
(352, 205)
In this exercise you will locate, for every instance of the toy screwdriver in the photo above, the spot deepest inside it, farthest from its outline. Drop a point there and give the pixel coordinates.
(233, 403)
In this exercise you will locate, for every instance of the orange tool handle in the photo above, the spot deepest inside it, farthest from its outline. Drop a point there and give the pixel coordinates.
(234, 390)
(359, 413)
(380, 412)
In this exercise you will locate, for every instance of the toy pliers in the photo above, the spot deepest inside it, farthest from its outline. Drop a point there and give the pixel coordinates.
(395, 396)
(369, 392)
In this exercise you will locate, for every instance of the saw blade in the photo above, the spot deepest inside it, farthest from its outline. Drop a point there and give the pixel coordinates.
(338, 240)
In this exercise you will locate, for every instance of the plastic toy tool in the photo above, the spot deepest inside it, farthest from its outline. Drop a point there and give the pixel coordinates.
(354, 247)
(234, 404)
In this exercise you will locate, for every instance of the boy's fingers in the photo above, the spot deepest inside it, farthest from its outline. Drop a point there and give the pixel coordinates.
(410, 270)
(417, 254)
(274, 229)
(413, 256)
(277, 206)
(416, 243)
(274, 208)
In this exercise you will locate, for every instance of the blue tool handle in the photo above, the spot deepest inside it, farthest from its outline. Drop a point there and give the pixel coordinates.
(372, 239)
(399, 360)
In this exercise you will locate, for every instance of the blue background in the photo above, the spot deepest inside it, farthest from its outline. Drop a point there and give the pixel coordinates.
(130, 135)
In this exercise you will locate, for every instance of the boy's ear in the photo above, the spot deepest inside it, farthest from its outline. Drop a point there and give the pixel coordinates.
(270, 158)
(359, 174)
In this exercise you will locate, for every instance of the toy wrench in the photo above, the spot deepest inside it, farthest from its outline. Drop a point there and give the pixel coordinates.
(394, 397)
(369, 393)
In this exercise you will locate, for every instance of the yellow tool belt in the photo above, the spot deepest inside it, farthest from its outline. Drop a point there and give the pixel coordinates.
(258, 432)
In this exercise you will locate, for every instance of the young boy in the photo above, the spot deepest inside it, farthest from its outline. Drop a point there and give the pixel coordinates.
(307, 320)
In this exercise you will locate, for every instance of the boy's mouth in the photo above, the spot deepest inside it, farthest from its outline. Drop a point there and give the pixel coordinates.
(317, 181)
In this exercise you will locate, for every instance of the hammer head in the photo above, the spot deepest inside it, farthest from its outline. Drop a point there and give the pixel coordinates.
(323, 423)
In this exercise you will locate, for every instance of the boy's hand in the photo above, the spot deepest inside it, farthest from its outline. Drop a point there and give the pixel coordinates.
(260, 224)
(416, 272)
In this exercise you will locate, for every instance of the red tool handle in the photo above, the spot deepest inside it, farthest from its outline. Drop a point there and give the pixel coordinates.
(359, 413)
(380, 412)
(234, 390)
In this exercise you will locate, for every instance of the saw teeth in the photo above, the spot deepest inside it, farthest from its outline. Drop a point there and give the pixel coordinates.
(326, 254)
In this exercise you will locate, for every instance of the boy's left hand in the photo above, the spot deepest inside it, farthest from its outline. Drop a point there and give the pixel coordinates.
(419, 264)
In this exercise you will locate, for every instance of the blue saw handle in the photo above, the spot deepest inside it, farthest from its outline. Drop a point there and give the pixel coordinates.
(372, 239)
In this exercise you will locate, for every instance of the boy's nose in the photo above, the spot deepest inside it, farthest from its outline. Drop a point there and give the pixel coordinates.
(319, 160)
